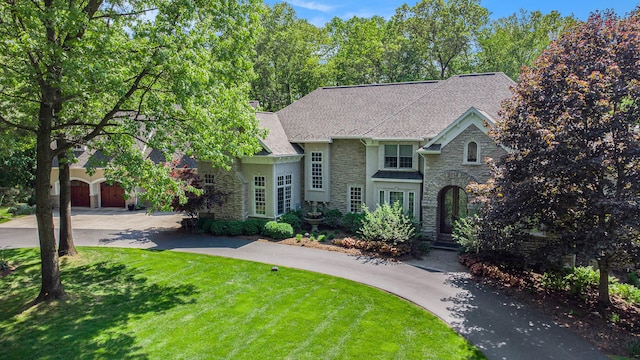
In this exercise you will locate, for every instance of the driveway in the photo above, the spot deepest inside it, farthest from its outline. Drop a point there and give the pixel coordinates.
(501, 327)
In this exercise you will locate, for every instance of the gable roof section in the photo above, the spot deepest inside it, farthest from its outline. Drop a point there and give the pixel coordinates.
(471, 117)
(415, 110)
(276, 142)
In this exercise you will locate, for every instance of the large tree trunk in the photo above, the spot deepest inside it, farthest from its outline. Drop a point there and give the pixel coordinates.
(51, 287)
(66, 246)
(604, 264)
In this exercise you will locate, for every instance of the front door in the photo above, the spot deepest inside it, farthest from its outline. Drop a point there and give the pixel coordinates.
(453, 206)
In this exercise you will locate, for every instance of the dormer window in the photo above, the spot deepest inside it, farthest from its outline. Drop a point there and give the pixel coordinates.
(398, 156)
(78, 147)
(472, 153)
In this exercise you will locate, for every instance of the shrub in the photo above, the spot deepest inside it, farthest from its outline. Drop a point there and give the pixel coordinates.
(331, 237)
(218, 228)
(321, 238)
(332, 218)
(465, 233)
(388, 224)
(293, 218)
(253, 227)
(353, 222)
(628, 292)
(278, 230)
(234, 228)
(424, 247)
(298, 237)
(633, 347)
(582, 278)
(22, 209)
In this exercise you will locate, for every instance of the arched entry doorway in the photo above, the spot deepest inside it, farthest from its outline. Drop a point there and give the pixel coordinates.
(453, 205)
(80, 193)
(111, 195)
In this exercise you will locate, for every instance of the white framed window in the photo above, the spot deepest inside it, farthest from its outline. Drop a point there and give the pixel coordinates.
(259, 195)
(316, 170)
(406, 198)
(472, 153)
(355, 199)
(398, 156)
(284, 193)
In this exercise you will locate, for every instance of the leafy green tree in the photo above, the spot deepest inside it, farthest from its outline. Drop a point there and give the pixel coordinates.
(572, 125)
(510, 43)
(441, 33)
(125, 75)
(288, 58)
(358, 49)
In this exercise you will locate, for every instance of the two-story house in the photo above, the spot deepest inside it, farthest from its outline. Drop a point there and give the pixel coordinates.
(417, 143)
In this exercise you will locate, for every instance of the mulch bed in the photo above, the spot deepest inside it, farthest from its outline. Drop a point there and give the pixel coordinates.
(610, 329)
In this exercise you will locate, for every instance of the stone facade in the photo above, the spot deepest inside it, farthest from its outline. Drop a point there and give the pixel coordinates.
(449, 169)
(233, 185)
(347, 168)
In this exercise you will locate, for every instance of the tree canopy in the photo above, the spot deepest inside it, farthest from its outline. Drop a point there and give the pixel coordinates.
(574, 166)
(123, 76)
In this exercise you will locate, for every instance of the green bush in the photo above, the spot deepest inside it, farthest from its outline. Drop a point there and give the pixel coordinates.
(332, 218)
(234, 228)
(353, 222)
(465, 233)
(253, 226)
(628, 292)
(293, 218)
(321, 238)
(22, 209)
(387, 224)
(582, 278)
(633, 348)
(278, 230)
(218, 228)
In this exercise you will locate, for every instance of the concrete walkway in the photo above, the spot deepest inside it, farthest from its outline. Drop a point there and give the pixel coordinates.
(499, 326)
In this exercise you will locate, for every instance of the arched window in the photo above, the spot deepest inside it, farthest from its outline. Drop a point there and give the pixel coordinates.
(471, 153)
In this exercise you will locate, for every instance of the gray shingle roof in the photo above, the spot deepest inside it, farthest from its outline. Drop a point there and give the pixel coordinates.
(276, 143)
(413, 110)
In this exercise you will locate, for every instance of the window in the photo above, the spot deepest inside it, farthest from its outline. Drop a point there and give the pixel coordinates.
(316, 170)
(406, 199)
(355, 199)
(398, 156)
(471, 153)
(284, 193)
(259, 196)
(209, 183)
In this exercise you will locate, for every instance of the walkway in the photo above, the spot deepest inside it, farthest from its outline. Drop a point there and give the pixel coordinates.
(501, 327)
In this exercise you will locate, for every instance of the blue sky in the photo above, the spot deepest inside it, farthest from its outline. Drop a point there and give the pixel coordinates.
(319, 12)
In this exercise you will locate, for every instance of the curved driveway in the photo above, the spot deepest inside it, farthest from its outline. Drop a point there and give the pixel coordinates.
(499, 326)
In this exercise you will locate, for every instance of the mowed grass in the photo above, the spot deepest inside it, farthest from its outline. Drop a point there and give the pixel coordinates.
(139, 304)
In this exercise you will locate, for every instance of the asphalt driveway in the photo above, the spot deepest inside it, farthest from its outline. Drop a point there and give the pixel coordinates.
(501, 327)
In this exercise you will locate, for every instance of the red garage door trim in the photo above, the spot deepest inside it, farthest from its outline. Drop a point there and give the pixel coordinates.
(111, 195)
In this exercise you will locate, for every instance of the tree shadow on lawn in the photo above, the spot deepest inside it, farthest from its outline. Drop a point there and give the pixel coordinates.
(504, 328)
(103, 297)
(168, 239)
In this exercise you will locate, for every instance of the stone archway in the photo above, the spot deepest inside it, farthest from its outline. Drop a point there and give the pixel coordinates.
(433, 187)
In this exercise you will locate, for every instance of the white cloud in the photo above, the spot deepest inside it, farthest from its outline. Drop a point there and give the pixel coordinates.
(312, 5)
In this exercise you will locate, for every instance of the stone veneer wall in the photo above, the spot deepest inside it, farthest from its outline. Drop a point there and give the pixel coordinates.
(347, 167)
(231, 183)
(447, 169)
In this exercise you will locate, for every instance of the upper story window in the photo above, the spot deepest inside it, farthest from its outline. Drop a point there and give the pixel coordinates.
(316, 170)
(398, 156)
(471, 153)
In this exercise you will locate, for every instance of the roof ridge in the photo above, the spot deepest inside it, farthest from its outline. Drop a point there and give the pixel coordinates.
(380, 84)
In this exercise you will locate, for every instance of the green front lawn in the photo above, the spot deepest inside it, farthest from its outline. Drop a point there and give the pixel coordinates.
(5, 215)
(135, 304)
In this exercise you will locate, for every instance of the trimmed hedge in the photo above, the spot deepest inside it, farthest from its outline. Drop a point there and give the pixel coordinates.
(278, 230)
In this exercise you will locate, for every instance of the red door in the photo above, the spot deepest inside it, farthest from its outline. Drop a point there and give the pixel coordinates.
(111, 195)
(80, 193)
